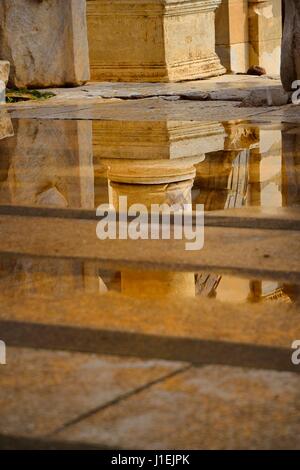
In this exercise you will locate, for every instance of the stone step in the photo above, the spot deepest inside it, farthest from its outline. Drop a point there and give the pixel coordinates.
(196, 330)
(252, 253)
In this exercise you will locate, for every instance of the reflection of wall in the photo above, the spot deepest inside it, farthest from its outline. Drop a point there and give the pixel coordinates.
(260, 174)
(222, 179)
(233, 289)
(155, 140)
(265, 171)
(48, 163)
(24, 277)
(291, 167)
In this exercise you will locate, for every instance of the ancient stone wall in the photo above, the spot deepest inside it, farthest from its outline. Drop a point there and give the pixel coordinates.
(290, 63)
(248, 32)
(45, 41)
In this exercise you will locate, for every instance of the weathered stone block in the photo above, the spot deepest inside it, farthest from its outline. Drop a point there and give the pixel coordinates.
(152, 40)
(265, 32)
(6, 128)
(232, 35)
(45, 41)
(235, 57)
(290, 54)
(4, 70)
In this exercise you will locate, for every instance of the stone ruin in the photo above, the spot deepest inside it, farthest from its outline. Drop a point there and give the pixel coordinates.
(45, 42)
(55, 43)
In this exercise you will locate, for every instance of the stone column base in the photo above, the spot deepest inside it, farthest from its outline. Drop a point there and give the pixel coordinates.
(152, 40)
(265, 33)
(209, 67)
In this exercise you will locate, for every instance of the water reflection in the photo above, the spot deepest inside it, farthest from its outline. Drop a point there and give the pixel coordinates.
(74, 164)
(48, 163)
(81, 164)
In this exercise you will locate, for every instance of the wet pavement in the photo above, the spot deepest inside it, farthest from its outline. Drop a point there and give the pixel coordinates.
(232, 306)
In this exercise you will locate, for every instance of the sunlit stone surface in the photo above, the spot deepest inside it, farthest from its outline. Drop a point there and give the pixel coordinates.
(248, 33)
(265, 32)
(152, 40)
(4, 70)
(232, 35)
(45, 42)
(6, 128)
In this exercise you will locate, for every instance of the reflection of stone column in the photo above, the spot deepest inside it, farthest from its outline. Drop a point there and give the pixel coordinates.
(232, 289)
(49, 163)
(222, 178)
(155, 283)
(152, 40)
(177, 191)
(154, 163)
(45, 42)
(265, 32)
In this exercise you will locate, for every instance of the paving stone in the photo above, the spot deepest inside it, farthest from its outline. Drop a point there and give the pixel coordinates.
(232, 84)
(213, 407)
(140, 110)
(40, 391)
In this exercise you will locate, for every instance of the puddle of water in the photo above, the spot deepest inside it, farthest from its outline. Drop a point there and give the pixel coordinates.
(57, 163)
(46, 279)
(81, 164)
